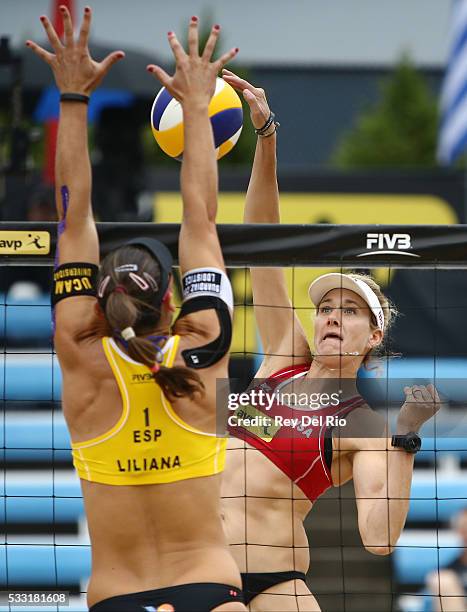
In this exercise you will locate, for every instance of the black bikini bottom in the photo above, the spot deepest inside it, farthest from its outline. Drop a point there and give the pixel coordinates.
(254, 584)
(195, 597)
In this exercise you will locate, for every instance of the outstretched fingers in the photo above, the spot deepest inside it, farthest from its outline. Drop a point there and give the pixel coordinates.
(110, 60)
(85, 28)
(42, 53)
(159, 73)
(236, 81)
(176, 47)
(211, 43)
(67, 26)
(227, 57)
(193, 39)
(51, 34)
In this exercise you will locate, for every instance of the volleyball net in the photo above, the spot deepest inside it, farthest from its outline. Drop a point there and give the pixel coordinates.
(423, 269)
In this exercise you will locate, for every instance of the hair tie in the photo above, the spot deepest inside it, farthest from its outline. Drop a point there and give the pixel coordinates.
(155, 368)
(159, 354)
(128, 333)
(120, 289)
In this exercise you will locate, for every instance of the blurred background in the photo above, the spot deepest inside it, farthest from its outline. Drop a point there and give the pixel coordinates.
(356, 86)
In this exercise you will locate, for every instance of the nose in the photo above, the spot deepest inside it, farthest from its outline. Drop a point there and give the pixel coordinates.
(333, 318)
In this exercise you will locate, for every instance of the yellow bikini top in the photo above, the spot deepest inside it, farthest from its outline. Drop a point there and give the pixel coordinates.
(149, 444)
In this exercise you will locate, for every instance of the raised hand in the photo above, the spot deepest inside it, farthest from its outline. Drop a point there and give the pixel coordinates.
(420, 405)
(74, 69)
(195, 75)
(255, 97)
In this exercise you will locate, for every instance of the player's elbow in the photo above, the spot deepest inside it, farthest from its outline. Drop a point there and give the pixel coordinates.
(381, 550)
(377, 543)
(200, 220)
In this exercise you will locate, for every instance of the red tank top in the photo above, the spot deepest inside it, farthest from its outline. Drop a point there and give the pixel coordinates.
(297, 448)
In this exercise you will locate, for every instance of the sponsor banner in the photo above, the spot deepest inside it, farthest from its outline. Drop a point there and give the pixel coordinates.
(24, 242)
(284, 245)
(388, 244)
(202, 282)
(324, 245)
(349, 245)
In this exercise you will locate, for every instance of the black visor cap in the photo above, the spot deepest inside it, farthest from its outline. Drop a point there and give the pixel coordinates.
(160, 252)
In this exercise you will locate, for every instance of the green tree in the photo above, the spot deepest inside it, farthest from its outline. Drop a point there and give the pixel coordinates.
(400, 131)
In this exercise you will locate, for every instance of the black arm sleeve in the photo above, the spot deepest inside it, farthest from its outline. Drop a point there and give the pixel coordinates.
(209, 354)
(72, 279)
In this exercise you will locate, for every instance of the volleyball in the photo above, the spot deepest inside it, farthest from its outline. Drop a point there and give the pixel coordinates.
(225, 112)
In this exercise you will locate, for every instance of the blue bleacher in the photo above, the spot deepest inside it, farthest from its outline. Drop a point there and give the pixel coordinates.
(385, 385)
(435, 449)
(41, 430)
(44, 564)
(436, 368)
(437, 497)
(30, 377)
(50, 499)
(34, 437)
(26, 319)
(418, 552)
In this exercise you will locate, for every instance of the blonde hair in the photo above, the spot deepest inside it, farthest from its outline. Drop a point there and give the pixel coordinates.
(389, 310)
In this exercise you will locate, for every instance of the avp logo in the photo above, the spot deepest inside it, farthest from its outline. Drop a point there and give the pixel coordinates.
(388, 244)
(24, 243)
(142, 378)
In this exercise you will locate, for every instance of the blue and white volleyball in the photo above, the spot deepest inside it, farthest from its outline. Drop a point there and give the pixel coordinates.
(225, 112)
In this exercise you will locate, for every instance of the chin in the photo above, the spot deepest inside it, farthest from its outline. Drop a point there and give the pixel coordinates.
(330, 360)
(335, 361)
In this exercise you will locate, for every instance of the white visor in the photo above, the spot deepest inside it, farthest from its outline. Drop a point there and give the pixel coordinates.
(322, 285)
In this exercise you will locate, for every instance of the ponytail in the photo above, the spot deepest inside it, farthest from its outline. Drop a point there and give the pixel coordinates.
(121, 312)
(174, 382)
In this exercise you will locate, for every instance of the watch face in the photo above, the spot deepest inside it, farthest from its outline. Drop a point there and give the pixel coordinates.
(413, 443)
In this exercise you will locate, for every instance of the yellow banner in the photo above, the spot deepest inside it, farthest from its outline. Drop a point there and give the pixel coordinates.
(24, 243)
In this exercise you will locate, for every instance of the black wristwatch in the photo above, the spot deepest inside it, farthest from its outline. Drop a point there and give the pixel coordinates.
(410, 442)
